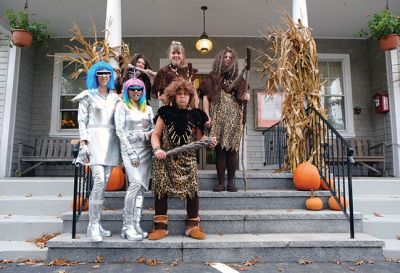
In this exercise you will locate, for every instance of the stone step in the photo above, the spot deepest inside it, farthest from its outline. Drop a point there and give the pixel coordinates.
(376, 185)
(233, 221)
(233, 248)
(21, 250)
(382, 226)
(35, 205)
(256, 180)
(28, 227)
(382, 204)
(251, 199)
(41, 186)
(392, 249)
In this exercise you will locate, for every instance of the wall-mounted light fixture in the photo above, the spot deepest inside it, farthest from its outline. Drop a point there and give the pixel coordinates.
(204, 44)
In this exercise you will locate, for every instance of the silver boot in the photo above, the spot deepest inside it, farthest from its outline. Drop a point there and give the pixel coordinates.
(128, 229)
(93, 229)
(138, 214)
(105, 232)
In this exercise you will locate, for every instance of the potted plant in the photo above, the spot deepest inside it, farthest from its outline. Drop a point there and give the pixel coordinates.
(385, 27)
(25, 32)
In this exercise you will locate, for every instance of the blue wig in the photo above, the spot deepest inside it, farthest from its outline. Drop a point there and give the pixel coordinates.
(91, 79)
(125, 95)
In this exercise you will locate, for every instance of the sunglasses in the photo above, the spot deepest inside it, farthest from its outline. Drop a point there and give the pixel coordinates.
(103, 73)
(135, 88)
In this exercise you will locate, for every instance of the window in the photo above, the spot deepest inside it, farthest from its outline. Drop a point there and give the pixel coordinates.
(64, 119)
(336, 94)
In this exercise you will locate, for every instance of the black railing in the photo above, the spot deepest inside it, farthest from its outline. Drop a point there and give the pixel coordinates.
(82, 187)
(275, 139)
(334, 159)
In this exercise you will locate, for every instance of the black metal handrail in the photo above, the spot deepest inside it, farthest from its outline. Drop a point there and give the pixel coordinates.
(82, 187)
(334, 159)
(275, 148)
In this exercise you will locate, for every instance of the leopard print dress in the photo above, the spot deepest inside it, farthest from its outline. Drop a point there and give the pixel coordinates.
(177, 175)
(226, 117)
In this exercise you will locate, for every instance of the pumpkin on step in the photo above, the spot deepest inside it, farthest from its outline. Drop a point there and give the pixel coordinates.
(79, 204)
(324, 187)
(333, 204)
(117, 179)
(314, 203)
(306, 177)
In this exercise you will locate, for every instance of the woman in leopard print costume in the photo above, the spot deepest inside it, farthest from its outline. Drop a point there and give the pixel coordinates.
(223, 106)
(177, 124)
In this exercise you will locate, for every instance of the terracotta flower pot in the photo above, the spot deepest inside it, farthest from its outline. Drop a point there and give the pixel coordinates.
(21, 38)
(389, 42)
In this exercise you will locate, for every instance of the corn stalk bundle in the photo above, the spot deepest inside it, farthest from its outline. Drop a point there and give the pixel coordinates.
(291, 66)
(87, 52)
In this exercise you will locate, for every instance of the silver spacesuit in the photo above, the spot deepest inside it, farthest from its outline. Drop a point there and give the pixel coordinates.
(134, 128)
(96, 127)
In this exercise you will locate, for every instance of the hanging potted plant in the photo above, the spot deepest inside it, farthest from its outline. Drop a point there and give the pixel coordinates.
(385, 27)
(24, 33)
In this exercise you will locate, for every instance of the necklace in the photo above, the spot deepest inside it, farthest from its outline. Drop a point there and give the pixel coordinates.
(174, 68)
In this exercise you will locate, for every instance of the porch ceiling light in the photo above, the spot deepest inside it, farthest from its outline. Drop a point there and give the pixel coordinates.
(204, 44)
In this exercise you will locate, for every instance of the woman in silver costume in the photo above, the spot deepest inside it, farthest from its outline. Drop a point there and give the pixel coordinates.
(134, 125)
(99, 147)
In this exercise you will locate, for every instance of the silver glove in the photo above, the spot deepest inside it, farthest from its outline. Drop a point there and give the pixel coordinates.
(83, 155)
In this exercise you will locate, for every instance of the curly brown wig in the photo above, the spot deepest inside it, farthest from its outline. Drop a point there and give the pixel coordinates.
(177, 85)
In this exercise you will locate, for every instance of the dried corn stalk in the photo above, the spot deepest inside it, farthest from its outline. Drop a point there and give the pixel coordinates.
(291, 66)
(86, 52)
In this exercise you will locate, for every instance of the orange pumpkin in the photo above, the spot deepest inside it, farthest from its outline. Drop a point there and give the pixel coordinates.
(306, 177)
(324, 187)
(117, 179)
(314, 203)
(333, 204)
(79, 204)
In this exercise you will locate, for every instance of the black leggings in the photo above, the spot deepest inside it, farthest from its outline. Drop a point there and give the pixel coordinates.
(192, 206)
(226, 159)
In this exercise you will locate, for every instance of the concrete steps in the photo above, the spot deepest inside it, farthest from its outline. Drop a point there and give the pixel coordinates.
(391, 248)
(29, 208)
(43, 186)
(382, 226)
(28, 227)
(379, 200)
(234, 221)
(382, 204)
(35, 205)
(267, 221)
(251, 199)
(222, 248)
(21, 250)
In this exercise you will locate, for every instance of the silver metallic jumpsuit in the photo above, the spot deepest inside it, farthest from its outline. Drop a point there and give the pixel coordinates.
(134, 128)
(96, 126)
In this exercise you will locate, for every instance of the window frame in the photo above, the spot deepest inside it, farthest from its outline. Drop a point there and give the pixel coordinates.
(55, 126)
(347, 85)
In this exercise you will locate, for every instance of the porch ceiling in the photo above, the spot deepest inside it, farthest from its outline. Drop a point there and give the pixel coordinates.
(328, 18)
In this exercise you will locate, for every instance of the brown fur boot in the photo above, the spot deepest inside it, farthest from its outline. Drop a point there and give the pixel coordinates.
(194, 230)
(160, 229)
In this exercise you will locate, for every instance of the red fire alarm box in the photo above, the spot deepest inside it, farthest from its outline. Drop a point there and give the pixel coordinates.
(381, 100)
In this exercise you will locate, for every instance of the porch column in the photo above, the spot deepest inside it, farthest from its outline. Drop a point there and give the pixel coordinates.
(299, 11)
(10, 105)
(393, 79)
(113, 26)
